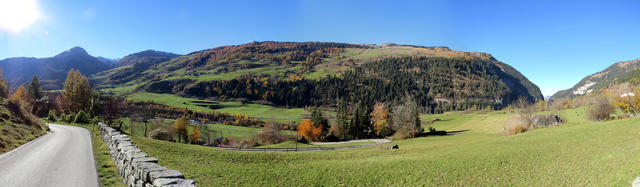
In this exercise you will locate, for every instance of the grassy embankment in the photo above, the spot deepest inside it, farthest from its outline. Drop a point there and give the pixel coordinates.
(577, 153)
(14, 130)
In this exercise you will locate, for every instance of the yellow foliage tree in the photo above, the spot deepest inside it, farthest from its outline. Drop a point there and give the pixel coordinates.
(77, 92)
(22, 97)
(180, 128)
(379, 117)
(629, 103)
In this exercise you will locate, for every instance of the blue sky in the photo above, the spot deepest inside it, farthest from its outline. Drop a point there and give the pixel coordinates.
(553, 43)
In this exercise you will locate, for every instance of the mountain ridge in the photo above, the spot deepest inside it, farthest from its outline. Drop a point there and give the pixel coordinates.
(51, 70)
(619, 72)
(317, 61)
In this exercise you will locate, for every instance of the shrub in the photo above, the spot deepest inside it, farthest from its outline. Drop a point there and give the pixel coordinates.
(335, 132)
(515, 129)
(67, 118)
(629, 103)
(602, 109)
(52, 117)
(161, 133)
(271, 134)
(252, 141)
(82, 117)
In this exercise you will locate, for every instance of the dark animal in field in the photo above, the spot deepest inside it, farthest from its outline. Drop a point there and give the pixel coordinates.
(395, 147)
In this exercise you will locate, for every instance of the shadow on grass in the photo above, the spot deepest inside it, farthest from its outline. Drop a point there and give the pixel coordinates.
(441, 133)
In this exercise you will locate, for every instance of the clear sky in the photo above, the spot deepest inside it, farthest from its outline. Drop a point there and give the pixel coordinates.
(553, 43)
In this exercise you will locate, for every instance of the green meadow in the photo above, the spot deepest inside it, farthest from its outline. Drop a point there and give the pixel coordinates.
(576, 153)
(263, 112)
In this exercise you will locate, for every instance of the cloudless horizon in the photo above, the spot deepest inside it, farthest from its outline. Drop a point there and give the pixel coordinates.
(554, 44)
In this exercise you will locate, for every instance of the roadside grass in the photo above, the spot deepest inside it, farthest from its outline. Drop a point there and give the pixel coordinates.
(107, 171)
(263, 112)
(579, 153)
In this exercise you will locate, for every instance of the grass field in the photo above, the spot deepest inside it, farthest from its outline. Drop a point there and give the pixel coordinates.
(263, 112)
(577, 153)
(219, 130)
(292, 144)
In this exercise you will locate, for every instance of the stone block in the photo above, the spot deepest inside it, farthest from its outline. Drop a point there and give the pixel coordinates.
(173, 182)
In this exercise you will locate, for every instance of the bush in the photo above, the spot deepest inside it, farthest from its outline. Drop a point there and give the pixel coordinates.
(271, 134)
(515, 129)
(602, 109)
(161, 134)
(52, 117)
(67, 118)
(252, 141)
(82, 117)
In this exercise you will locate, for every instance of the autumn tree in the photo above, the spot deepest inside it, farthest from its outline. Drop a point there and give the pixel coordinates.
(379, 117)
(21, 96)
(195, 134)
(272, 133)
(406, 121)
(77, 92)
(112, 109)
(308, 130)
(180, 128)
(629, 103)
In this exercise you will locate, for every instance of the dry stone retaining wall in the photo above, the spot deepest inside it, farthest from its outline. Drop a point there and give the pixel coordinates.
(136, 167)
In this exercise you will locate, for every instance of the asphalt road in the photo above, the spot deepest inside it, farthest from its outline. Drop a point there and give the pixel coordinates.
(62, 157)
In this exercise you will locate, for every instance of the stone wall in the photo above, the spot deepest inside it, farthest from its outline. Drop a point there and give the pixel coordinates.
(136, 167)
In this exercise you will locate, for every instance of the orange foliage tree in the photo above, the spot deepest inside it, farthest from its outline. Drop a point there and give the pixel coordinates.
(195, 134)
(309, 131)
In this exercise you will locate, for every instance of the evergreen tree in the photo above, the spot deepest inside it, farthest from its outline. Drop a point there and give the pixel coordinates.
(4, 89)
(35, 92)
(319, 120)
(342, 117)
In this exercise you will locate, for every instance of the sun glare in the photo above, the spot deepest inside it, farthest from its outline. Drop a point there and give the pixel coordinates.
(15, 15)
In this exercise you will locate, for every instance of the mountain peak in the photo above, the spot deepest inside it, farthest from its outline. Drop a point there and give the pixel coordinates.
(74, 51)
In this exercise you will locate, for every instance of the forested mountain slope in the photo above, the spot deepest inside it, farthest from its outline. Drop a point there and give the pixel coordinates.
(299, 74)
(621, 72)
(131, 66)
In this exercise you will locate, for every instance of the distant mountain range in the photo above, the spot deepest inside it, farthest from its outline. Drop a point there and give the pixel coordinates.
(51, 71)
(620, 72)
(440, 76)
